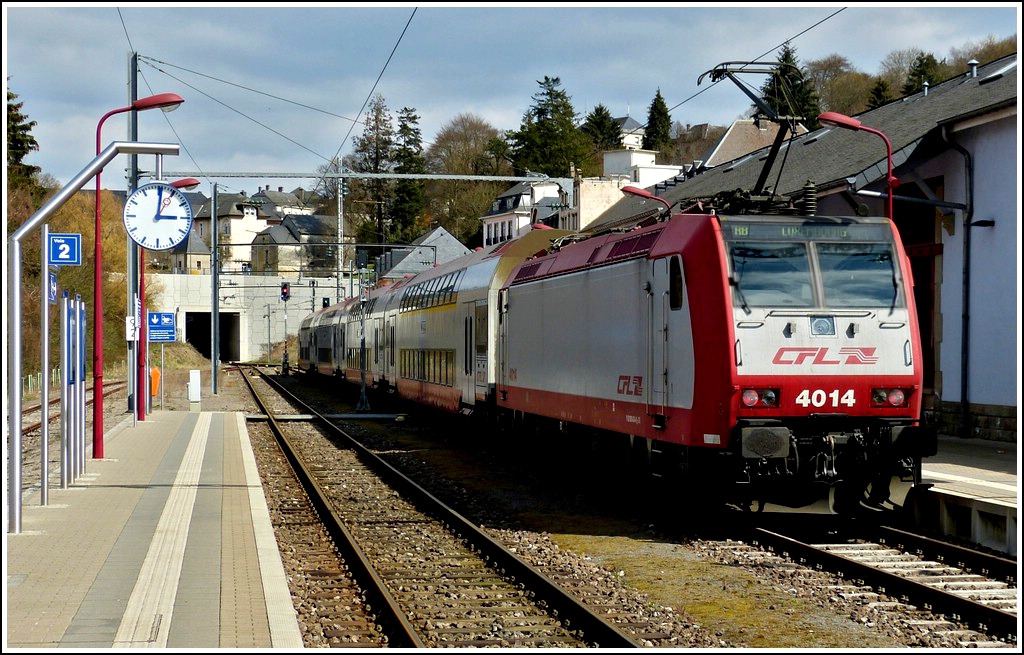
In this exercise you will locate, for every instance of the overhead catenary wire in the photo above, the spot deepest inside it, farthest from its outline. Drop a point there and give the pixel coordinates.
(162, 66)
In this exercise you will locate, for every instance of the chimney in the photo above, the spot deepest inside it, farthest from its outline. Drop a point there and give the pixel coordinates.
(926, 87)
(974, 68)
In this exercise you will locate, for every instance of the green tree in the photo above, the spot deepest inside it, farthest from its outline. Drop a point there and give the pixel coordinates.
(20, 141)
(880, 94)
(895, 66)
(602, 128)
(463, 146)
(925, 69)
(839, 86)
(410, 197)
(788, 93)
(657, 133)
(372, 153)
(604, 134)
(548, 141)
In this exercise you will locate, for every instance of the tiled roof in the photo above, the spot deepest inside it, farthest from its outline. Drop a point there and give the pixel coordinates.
(829, 155)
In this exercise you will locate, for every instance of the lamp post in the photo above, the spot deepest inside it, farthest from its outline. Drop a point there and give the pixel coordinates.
(166, 102)
(836, 119)
(644, 193)
(142, 379)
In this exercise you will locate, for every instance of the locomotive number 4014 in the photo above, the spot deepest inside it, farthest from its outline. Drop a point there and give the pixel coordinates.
(820, 398)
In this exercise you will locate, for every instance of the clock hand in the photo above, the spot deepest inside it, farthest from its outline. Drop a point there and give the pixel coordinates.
(159, 202)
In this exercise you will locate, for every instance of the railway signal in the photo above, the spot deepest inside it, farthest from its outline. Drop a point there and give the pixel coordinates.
(286, 291)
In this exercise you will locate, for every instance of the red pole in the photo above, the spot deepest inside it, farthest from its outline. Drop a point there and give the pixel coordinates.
(140, 403)
(165, 101)
(97, 314)
(890, 181)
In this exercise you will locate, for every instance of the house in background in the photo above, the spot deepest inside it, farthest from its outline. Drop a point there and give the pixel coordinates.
(275, 205)
(432, 249)
(743, 136)
(632, 132)
(239, 220)
(191, 256)
(302, 244)
(516, 209)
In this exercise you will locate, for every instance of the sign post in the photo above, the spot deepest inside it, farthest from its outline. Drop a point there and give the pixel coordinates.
(161, 330)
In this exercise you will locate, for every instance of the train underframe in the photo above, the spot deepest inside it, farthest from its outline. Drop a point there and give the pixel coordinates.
(825, 465)
(820, 466)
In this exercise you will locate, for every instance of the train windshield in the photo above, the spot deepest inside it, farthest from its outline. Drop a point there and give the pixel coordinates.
(847, 267)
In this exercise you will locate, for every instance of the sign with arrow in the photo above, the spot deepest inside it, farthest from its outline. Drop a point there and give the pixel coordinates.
(160, 327)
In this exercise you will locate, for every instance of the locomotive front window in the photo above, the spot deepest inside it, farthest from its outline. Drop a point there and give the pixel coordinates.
(771, 274)
(858, 275)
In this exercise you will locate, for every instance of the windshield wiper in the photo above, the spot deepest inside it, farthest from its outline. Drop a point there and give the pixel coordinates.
(734, 280)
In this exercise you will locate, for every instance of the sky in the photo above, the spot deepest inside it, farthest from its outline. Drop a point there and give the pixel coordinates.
(273, 89)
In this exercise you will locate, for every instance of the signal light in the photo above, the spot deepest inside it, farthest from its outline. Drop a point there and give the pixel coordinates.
(286, 291)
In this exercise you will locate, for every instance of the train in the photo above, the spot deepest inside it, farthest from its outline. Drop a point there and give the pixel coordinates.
(770, 360)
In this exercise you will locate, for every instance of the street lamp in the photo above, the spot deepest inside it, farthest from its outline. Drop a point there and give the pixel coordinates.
(644, 193)
(835, 119)
(166, 102)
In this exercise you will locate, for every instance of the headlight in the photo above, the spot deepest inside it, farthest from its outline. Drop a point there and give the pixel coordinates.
(760, 398)
(823, 326)
(890, 397)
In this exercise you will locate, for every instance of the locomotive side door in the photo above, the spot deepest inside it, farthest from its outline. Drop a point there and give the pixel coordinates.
(670, 339)
(657, 337)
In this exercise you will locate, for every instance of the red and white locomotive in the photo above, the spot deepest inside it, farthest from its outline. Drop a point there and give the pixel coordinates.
(776, 357)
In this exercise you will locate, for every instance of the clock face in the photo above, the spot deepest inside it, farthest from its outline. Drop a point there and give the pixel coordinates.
(157, 216)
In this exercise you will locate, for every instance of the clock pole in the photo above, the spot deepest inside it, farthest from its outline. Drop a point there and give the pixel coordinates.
(142, 390)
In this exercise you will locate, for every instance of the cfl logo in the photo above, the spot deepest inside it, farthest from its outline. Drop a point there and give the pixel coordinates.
(630, 385)
(846, 356)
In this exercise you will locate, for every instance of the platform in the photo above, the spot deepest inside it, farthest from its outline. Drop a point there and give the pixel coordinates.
(164, 543)
(974, 493)
(167, 541)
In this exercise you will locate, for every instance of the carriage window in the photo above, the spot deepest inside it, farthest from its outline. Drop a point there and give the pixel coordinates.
(771, 274)
(675, 284)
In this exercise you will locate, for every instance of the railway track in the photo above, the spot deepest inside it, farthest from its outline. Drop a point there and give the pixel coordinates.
(31, 422)
(430, 577)
(968, 597)
(877, 605)
(32, 416)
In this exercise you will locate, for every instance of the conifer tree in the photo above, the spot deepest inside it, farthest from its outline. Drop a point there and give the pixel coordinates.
(788, 93)
(372, 153)
(657, 133)
(410, 197)
(925, 69)
(548, 141)
(20, 141)
(880, 94)
(603, 129)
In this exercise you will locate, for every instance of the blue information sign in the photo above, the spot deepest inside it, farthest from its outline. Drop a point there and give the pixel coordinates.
(160, 327)
(65, 250)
